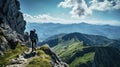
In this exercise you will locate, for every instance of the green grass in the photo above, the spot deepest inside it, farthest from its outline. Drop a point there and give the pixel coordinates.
(39, 62)
(67, 46)
(84, 59)
(12, 54)
(42, 60)
(68, 50)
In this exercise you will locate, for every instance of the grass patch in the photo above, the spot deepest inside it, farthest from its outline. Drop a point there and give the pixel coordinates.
(89, 57)
(66, 50)
(39, 62)
(42, 60)
(12, 54)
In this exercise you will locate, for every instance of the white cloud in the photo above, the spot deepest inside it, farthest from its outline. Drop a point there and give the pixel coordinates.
(117, 6)
(105, 5)
(44, 18)
(80, 8)
(101, 6)
(67, 3)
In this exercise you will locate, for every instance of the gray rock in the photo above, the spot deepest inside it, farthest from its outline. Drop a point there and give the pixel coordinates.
(8, 38)
(12, 24)
(10, 14)
(1, 53)
(19, 60)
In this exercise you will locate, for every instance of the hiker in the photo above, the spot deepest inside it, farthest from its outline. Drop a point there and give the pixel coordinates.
(34, 39)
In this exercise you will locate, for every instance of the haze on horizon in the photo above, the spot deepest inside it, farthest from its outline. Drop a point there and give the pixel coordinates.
(72, 11)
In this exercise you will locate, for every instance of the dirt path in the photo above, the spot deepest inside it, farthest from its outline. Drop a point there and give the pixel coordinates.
(28, 60)
(28, 57)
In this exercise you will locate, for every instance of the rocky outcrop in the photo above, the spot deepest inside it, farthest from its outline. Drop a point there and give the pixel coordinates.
(10, 14)
(8, 38)
(55, 61)
(12, 24)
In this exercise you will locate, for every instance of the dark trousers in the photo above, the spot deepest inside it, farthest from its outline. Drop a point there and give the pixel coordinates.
(34, 45)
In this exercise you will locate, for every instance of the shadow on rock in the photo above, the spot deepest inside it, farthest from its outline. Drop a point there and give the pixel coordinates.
(31, 54)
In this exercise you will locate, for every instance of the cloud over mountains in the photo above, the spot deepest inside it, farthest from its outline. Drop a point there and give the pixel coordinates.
(42, 18)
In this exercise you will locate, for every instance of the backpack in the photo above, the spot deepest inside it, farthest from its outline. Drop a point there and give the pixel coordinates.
(32, 35)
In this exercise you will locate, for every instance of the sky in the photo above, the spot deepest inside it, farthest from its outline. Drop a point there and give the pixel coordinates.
(71, 11)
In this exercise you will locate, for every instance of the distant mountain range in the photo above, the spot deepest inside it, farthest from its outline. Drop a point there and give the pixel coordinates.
(88, 40)
(46, 30)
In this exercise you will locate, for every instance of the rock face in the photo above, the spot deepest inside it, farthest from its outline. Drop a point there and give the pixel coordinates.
(12, 24)
(8, 38)
(10, 14)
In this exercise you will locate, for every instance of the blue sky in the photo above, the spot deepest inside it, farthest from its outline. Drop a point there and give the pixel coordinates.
(72, 11)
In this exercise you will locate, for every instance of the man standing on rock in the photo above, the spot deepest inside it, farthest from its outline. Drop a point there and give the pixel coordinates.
(34, 39)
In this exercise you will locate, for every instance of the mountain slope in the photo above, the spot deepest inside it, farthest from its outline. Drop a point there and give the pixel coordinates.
(46, 30)
(107, 57)
(76, 54)
(71, 51)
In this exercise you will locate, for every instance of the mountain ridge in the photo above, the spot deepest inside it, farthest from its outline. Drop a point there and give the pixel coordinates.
(46, 30)
(91, 40)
